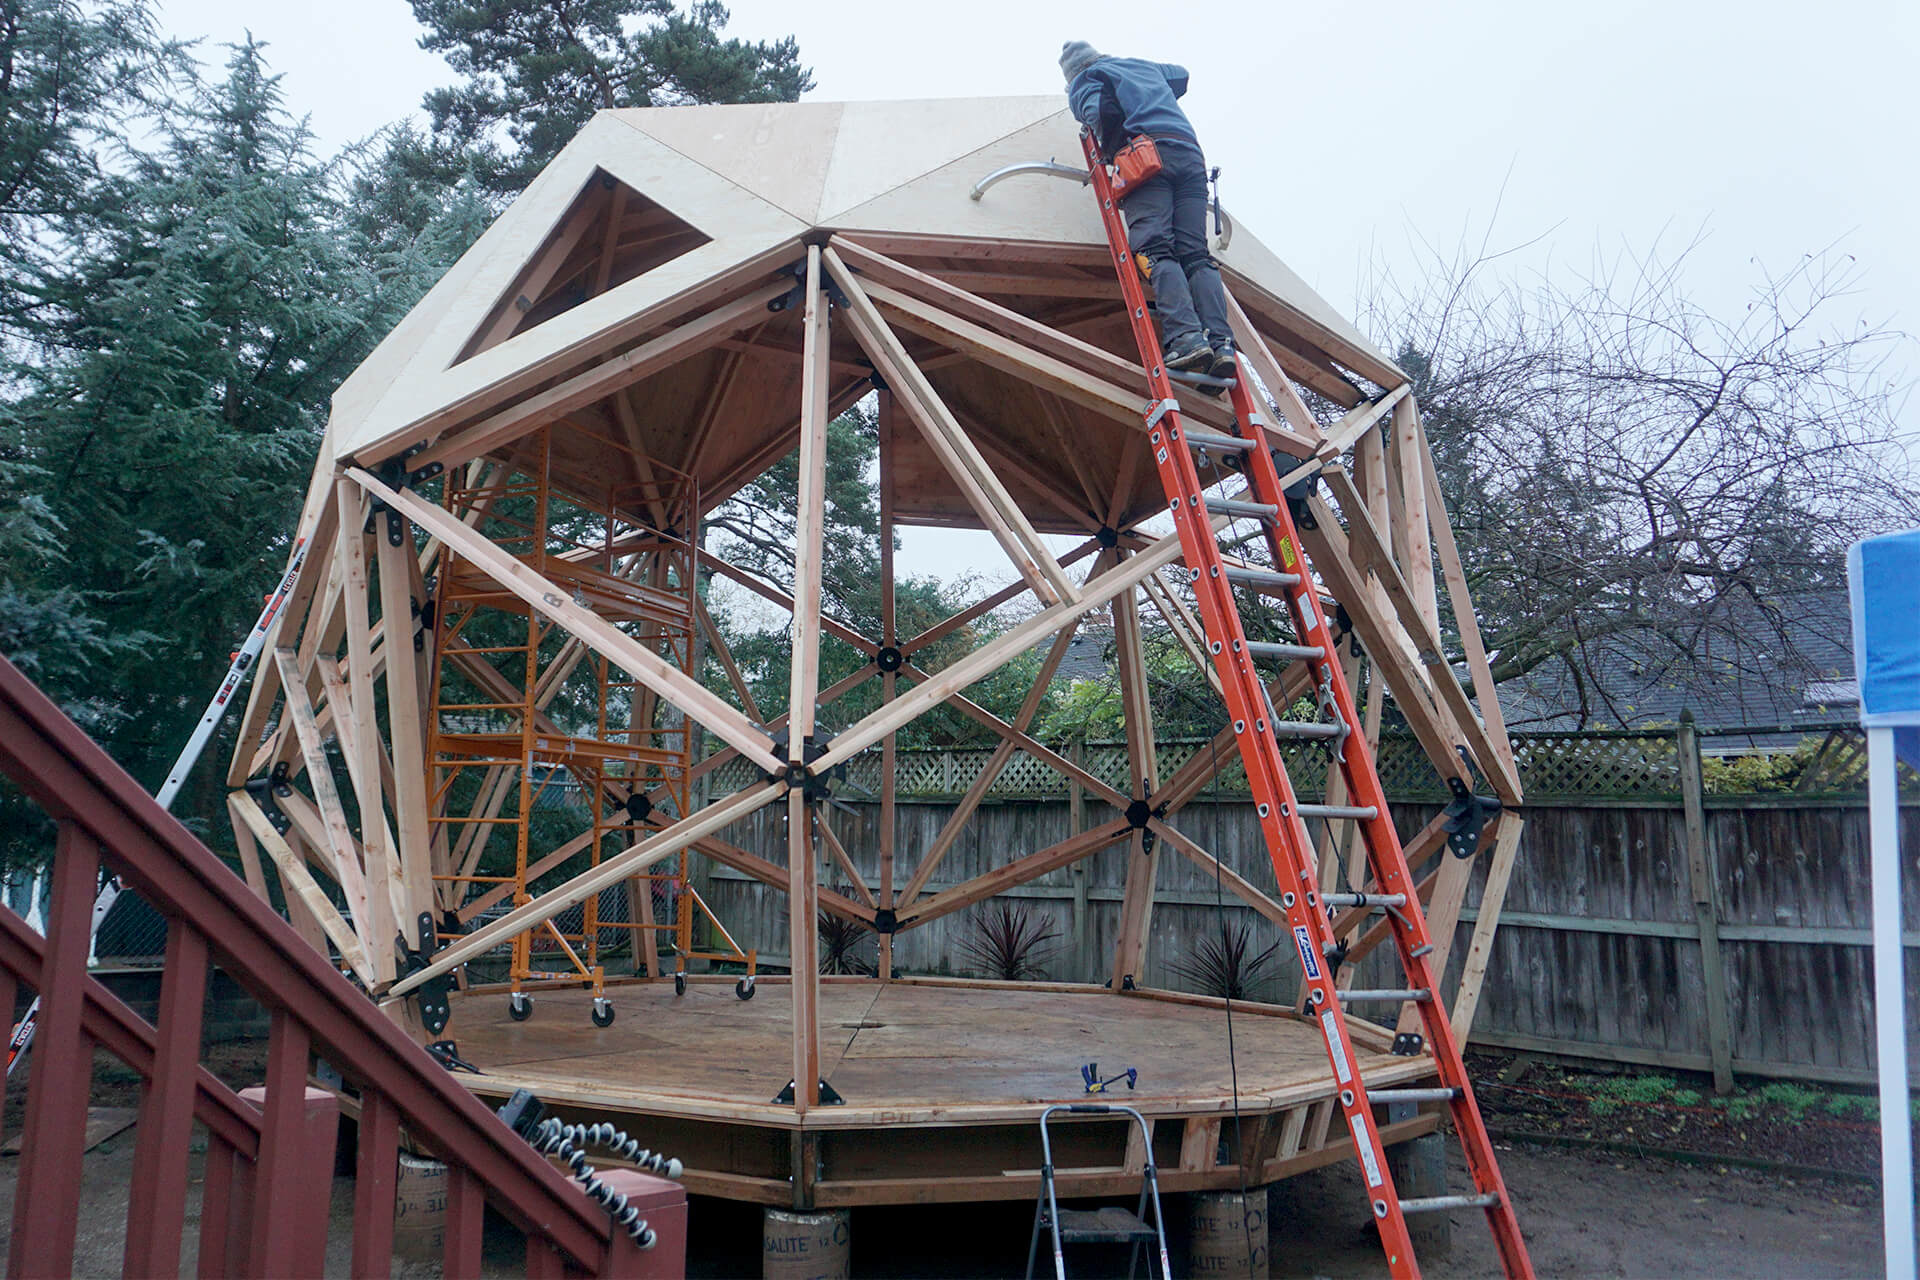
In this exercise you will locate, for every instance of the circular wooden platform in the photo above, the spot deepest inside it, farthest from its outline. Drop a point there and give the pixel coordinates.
(943, 1083)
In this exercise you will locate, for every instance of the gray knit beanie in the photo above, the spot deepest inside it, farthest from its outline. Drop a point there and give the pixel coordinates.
(1076, 56)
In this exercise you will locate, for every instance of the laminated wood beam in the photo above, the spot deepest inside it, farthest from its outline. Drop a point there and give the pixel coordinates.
(538, 274)
(1046, 755)
(1342, 435)
(318, 520)
(1365, 538)
(775, 877)
(981, 608)
(983, 782)
(1417, 553)
(296, 880)
(1310, 333)
(768, 591)
(1006, 340)
(552, 603)
(803, 859)
(949, 441)
(655, 848)
(1143, 862)
(336, 838)
(603, 379)
(803, 890)
(1464, 618)
(809, 522)
(1303, 428)
(406, 716)
(1229, 879)
(844, 860)
(752, 274)
(1473, 970)
(890, 637)
(979, 249)
(354, 723)
(1018, 872)
(723, 654)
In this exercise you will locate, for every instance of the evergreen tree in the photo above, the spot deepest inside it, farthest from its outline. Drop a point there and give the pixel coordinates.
(207, 320)
(535, 70)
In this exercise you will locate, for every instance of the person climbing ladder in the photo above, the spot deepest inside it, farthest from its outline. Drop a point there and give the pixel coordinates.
(1124, 99)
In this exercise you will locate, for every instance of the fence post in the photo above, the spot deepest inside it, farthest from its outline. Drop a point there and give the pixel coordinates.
(1076, 823)
(1706, 904)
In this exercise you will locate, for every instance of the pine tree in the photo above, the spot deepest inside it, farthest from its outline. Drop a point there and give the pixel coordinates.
(535, 70)
(169, 439)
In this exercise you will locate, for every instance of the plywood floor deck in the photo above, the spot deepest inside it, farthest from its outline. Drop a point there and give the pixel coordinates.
(898, 1053)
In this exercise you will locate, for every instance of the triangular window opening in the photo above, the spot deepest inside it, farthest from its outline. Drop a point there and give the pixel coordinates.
(610, 235)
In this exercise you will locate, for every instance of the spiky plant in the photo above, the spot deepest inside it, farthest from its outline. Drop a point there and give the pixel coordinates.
(1009, 942)
(1226, 964)
(840, 941)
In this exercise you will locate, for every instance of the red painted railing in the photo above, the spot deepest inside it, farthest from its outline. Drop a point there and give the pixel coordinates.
(270, 1152)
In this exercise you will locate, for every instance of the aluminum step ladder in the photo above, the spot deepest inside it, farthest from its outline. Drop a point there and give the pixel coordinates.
(1259, 731)
(1109, 1225)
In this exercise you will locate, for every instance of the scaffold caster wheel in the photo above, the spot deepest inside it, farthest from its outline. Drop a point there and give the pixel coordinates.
(519, 1007)
(744, 988)
(602, 1012)
(679, 984)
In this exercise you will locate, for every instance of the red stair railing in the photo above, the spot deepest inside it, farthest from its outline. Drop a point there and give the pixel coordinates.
(269, 1161)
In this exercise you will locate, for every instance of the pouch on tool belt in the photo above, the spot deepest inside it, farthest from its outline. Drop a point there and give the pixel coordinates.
(1135, 163)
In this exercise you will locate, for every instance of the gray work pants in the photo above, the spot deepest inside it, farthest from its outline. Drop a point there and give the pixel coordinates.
(1167, 221)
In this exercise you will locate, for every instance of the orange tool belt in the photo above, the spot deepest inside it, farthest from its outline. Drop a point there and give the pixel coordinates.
(1134, 164)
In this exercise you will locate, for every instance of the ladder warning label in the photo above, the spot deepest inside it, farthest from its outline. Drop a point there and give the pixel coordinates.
(1337, 1047)
(1287, 557)
(1308, 961)
(1363, 1143)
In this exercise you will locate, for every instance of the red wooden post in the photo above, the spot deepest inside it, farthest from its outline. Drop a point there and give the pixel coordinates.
(294, 1177)
(664, 1205)
(9, 995)
(375, 1182)
(47, 1204)
(157, 1194)
(466, 1219)
(217, 1209)
(544, 1261)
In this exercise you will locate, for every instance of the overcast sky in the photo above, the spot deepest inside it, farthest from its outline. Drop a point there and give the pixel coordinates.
(1352, 134)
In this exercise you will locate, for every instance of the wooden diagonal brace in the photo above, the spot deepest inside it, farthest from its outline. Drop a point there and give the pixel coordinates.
(549, 601)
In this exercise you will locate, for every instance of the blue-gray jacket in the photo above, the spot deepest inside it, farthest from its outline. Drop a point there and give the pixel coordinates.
(1122, 98)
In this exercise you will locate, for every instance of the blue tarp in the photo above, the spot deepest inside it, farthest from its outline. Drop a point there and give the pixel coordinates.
(1884, 575)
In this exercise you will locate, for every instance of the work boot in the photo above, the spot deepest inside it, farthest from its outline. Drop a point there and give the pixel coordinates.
(1192, 356)
(1224, 364)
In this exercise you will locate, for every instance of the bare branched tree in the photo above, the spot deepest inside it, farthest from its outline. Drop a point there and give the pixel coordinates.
(1644, 490)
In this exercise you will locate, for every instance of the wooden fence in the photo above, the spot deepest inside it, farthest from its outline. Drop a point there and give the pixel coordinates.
(1662, 925)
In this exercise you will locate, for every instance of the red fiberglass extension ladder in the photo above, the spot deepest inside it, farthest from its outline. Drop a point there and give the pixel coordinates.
(1259, 732)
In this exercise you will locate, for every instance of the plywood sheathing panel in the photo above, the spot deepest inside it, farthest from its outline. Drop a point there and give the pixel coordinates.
(413, 375)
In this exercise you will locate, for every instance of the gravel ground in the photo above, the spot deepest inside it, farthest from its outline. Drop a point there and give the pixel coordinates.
(1584, 1214)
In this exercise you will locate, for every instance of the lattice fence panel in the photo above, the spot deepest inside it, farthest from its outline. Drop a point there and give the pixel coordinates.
(1597, 765)
(1606, 764)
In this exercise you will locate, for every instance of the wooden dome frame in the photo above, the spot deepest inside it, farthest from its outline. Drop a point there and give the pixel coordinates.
(780, 264)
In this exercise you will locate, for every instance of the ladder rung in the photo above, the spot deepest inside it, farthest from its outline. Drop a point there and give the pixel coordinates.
(1304, 729)
(1263, 578)
(1440, 1204)
(1388, 995)
(1237, 507)
(1290, 652)
(1414, 1095)
(1213, 440)
(1359, 813)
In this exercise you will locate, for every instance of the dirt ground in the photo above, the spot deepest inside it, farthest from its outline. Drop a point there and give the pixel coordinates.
(1584, 1215)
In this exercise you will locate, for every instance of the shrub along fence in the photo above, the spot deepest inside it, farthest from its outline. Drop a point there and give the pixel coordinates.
(1672, 905)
